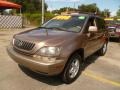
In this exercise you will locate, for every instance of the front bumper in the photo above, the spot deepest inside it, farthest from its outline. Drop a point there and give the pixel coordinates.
(37, 65)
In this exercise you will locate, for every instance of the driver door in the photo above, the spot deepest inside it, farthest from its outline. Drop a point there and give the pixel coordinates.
(91, 38)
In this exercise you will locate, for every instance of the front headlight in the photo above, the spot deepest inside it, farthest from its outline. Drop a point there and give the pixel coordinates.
(49, 51)
(13, 41)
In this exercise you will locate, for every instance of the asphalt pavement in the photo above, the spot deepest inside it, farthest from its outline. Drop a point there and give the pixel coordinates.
(99, 73)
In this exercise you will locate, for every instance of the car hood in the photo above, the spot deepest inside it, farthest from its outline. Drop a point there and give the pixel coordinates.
(49, 37)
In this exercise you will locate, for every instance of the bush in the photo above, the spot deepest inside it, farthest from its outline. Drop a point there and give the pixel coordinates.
(48, 16)
(35, 19)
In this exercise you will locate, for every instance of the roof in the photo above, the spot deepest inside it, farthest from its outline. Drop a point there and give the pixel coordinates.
(9, 5)
(78, 14)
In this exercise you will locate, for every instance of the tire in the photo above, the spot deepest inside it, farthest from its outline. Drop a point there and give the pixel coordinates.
(103, 50)
(72, 69)
(118, 39)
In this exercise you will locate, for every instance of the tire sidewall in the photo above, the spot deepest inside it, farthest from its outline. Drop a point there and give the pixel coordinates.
(103, 52)
(66, 78)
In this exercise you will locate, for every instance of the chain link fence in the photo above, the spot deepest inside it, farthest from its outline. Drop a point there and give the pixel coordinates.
(9, 22)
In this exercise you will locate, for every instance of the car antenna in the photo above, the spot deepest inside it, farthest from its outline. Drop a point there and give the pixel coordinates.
(46, 31)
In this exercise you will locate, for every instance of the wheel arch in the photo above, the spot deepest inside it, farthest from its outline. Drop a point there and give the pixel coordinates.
(80, 51)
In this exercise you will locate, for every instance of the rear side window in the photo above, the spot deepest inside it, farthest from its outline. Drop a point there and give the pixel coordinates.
(100, 24)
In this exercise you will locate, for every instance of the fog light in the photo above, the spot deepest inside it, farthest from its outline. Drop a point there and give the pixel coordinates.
(45, 59)
(36, 56)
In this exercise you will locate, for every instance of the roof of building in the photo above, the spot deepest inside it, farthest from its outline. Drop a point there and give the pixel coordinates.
(9, 5)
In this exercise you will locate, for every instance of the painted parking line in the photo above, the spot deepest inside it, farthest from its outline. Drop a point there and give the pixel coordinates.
(115, 62)
(101, 79)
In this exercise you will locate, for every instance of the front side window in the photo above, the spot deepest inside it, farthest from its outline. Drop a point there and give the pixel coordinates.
(67, 23)
(91, 22)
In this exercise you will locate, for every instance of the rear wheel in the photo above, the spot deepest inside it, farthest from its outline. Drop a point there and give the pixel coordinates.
(119, 39)
(72, 69)
(103, 50)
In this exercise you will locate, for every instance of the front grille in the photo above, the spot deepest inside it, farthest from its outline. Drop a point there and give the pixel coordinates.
(25, 45)
(21, 52)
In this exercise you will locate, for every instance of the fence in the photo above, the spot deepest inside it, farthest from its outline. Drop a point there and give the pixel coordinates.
(7, 22)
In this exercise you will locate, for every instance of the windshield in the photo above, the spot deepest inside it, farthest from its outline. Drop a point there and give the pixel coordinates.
(66, 23)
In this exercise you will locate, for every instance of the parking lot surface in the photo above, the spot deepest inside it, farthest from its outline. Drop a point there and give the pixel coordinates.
(99, 73)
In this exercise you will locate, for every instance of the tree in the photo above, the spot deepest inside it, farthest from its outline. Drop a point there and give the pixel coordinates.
(106, 13)
(30, 6)
(118, 12)
(64, 9)
(90, 8)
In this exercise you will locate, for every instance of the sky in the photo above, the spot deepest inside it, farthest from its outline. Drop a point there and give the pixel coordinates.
(112, 5)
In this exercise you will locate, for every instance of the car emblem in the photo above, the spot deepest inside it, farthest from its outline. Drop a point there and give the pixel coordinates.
(20, 43)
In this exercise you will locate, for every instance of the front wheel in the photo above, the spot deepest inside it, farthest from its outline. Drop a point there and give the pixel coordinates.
(103, 50)
(72, 69)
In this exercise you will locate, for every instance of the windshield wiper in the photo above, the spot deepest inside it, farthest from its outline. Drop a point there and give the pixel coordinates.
(58, 28)
(45, 27)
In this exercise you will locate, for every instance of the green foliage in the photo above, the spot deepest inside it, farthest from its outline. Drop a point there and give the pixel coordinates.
(48, 16)
(118, 12)
(35, 18)
(32, 9)
(105, 13)
(63, 10)
(90, 8)
(30, 6)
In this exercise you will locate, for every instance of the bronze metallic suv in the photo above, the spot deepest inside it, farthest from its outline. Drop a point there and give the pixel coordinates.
(61, 45)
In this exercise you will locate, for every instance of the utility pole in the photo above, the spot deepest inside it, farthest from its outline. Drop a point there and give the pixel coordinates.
(43, 10)
(96, 11)
(74, 5)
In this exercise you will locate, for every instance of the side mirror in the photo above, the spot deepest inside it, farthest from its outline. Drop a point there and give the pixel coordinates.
(92, 29)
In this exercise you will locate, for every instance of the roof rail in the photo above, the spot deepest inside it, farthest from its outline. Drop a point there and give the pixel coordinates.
(79, 12)
(87, 13)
